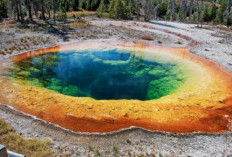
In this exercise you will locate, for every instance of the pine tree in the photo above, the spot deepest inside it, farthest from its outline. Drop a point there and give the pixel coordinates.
(162, 12)
(118, 10)
(202, 14)
(219, 16)
(102, 8)
(195, 17)
(89, 4)
(3, 9)
(228, 13)
(183, 10)
(83, 4)
(206, 14)
(75, 5)
(130, 7)
(95, 4)
(172, 10)
(112, 13)
(213, 11)
(54, 10)
(63, 8)
(190, 9)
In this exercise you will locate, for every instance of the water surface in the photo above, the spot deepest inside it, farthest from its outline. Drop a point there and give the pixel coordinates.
(100, 74)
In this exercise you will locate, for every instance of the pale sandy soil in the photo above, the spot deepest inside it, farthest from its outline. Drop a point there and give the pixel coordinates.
(215, 45)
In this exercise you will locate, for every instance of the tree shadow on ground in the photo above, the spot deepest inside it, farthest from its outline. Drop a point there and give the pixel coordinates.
(59, 30)
(163, 24)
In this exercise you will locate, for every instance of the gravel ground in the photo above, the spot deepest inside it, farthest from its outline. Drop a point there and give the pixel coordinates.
(215, 45)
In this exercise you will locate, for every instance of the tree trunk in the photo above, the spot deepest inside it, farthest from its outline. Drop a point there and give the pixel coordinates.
(20, 10)
(138, 8)
(229, 3)
(17, 10)
(54, 11)
(49, 14)
(43, 10)
(156, 10)
(28, 4)
(190, 10)
(198, 13)
(172, 10)
(35, 7)
(183, 10)
(202, 13)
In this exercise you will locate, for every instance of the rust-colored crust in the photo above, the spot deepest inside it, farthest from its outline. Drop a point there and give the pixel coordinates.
(202, 104)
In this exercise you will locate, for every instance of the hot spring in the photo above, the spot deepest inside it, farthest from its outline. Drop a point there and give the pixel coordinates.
(108, 86)
(100, 74)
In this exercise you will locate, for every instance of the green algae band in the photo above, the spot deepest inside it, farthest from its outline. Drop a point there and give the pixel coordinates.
(156, 88)
(100, 74)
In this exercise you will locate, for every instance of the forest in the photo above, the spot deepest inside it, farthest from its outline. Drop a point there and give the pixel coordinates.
(191, 11)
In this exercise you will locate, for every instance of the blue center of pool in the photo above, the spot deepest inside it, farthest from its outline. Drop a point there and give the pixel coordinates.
(110, 74)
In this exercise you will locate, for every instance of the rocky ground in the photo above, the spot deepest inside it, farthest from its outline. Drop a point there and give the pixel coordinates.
(216, 44)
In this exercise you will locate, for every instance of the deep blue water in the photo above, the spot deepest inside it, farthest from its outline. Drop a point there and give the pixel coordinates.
(108, 74)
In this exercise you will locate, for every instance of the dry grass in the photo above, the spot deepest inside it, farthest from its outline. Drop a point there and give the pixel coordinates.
(146, 37)
(79, 23)
(224, 28)
(22, 44)
(7, 23)
(16, 143)
(80, 13)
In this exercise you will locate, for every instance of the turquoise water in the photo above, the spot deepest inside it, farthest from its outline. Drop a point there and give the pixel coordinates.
(109, 74)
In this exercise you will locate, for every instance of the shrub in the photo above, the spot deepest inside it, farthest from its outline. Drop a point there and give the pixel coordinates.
(62, 16)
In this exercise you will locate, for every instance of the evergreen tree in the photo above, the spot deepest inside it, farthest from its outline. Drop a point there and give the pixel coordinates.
(206, 16)
(191, 9)
(89, 4)
(112, 13)
(3, 9)
(228, 13)
(219, 16)
(162, 9)
(95, 4)
(183, 10)
(75, 5)
(195, 17)
(118, 10)
(54, 10)
(130, 6)
(29, 8)
(172, 10)
(83, 4)
(63, 7)
(103, 7)
(213, 11)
